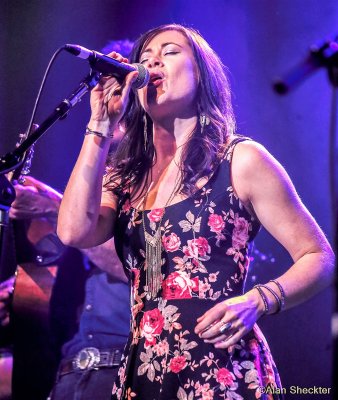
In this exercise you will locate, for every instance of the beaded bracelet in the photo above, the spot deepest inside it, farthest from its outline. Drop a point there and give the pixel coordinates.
(275, 295)
(282, 293)
(99, 134)
(263, 296)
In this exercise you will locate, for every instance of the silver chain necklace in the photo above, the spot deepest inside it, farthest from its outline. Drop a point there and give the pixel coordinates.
(153, 256)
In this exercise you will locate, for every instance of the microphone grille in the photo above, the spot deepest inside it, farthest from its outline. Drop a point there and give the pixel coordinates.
(143, 76)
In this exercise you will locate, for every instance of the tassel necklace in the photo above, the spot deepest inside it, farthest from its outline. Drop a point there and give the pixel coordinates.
(153, 256)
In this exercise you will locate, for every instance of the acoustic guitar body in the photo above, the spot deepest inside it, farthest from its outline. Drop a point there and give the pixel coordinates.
(34, 352)
(47, 303)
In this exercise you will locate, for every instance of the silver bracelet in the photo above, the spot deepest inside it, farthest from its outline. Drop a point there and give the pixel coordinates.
(99, 134)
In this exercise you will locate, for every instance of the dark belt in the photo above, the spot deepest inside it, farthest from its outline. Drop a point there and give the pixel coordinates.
(91, 358)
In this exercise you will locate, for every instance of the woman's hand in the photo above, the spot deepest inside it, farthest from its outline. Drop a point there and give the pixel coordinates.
(227, 322)
(109, 98)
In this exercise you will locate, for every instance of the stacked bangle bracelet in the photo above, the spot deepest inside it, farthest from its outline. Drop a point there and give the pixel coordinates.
(275, 295)
(263, 296)
(99, 134)
(279, 299)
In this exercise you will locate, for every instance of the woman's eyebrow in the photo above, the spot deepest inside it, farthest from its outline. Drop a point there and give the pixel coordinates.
(149, 50)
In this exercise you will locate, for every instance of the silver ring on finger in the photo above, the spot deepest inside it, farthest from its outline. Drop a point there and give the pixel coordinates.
(225, 326)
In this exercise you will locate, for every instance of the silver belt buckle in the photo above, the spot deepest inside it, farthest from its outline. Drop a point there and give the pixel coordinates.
(87, 358)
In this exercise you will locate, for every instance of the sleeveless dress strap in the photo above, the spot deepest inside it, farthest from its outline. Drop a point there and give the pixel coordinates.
(231, 146)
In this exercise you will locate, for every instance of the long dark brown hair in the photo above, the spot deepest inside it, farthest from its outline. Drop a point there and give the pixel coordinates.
(204, 149)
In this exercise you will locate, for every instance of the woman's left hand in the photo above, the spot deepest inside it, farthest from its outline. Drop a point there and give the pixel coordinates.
(227, 322)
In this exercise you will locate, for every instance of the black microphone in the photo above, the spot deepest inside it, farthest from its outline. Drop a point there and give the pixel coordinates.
(109, 66)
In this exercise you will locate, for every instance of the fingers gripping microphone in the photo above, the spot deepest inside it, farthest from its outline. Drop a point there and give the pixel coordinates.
(109, 66)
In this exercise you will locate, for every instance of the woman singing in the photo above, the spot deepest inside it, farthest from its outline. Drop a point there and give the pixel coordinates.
(184, 196)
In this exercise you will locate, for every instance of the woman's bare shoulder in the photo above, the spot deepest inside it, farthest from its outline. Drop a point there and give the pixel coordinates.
(253, 166)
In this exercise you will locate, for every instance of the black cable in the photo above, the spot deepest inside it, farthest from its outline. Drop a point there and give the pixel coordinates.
(42, 85)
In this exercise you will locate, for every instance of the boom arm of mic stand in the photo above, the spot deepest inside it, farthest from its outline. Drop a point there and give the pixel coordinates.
(12, 160)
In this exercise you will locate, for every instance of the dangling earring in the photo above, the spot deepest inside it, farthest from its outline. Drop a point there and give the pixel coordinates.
(204, 121)
(145, 132)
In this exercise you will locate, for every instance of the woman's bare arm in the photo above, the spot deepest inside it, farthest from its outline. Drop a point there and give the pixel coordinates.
(270, 192)
(82, 221)
(264, 187)
(87, 214)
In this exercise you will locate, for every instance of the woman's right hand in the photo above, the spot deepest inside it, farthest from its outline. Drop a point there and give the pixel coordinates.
(108, 100)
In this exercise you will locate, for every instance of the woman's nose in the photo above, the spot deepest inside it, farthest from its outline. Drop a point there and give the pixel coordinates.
(153, 61)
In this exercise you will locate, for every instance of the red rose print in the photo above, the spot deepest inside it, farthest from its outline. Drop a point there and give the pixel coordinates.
(197, 247)
(171, 243)
(216, 223)
(156, 214)
(177, 364)
(179, 285)
(240, 234)
(224, 377)
(151, 326)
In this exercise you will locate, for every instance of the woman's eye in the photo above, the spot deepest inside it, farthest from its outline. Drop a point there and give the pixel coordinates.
(169, 52)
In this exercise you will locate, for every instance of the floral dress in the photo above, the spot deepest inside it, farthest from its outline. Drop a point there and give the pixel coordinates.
(205, 260)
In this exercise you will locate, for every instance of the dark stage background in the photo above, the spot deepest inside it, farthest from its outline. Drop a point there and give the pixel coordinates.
(258, 40)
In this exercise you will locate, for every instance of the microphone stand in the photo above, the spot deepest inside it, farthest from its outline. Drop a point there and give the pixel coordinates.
(333, 161)
(13, 160)
(324, 56)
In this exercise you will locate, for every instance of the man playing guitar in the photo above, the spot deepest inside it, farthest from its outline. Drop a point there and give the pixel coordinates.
(76, 303)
